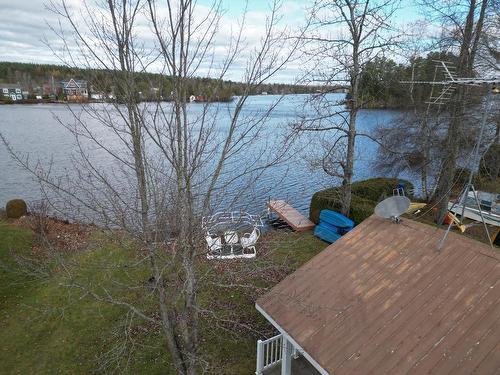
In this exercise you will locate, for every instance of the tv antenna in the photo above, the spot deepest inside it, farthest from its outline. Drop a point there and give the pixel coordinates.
(392, 207)
(449, 84)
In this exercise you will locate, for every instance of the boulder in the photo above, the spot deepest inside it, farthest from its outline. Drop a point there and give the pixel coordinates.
(16, 208)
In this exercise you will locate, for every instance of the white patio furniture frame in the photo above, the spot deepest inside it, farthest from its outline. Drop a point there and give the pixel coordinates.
(228, 226)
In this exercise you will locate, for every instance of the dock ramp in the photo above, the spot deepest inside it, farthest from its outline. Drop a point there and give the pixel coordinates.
(290, 215)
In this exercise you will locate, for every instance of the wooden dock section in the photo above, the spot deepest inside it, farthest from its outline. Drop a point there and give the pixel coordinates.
(290, 215)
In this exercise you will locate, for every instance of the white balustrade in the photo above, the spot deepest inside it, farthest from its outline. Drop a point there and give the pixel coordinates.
(268, 353)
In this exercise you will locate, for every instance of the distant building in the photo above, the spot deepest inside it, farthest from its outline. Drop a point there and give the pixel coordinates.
(201, 98)
(12, 91)
(97, 96)
(75, 90)
(198, 98)
(341, 90)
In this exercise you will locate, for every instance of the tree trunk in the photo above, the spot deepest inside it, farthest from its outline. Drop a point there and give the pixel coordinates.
(353, 112)
(468, 50)
(349, 167)
(448, 169)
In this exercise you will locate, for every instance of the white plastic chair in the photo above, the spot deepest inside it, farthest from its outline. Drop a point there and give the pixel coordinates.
(214, 246)
(248, 240)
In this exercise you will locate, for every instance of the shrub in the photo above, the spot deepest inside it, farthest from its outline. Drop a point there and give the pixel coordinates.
(16, 208)
(328, 198)
(365, 196)
(6, 100)
(39, 219)
(377, 189)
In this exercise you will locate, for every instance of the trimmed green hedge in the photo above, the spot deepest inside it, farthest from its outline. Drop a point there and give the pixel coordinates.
(365, 196)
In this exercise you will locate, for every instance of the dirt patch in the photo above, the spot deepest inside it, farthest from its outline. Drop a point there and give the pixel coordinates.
(54, 234)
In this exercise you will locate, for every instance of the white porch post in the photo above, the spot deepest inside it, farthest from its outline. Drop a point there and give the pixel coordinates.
(286, 356)
(260, 358)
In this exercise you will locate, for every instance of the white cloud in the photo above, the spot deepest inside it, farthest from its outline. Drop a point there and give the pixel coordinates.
(25, 26)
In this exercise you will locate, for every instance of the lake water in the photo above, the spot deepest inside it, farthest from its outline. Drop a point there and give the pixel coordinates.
(33, 130)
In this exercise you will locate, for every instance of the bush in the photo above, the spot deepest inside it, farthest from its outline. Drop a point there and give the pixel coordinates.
(6, 100)
(377, 189)
(365, 196)
(16, 208)
(39, 219)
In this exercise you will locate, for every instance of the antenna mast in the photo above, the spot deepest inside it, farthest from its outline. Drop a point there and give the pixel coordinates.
(450, 83)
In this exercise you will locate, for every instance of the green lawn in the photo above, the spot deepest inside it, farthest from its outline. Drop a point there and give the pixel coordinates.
(48, 328)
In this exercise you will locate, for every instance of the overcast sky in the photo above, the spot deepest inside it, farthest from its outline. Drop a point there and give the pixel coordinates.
(24, 28)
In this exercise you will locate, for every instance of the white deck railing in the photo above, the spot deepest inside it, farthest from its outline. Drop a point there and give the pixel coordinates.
(268, 353)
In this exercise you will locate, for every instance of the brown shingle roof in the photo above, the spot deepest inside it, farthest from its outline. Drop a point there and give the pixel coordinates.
(385, 300)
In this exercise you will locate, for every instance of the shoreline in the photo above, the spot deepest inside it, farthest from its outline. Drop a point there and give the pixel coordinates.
(50, 101)
(93, 101)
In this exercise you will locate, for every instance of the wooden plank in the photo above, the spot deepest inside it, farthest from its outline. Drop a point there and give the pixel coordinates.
(290, 215)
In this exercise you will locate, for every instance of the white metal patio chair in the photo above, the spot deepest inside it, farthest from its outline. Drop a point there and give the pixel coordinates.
(231, 238)
(229, 228)
(248, 241)
(214, 247)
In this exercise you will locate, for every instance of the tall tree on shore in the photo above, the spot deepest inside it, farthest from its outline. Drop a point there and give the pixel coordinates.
(153, 170)
(413, 141)
(462, 22)
(345, 36)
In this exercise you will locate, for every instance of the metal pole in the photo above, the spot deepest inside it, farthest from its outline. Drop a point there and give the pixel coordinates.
(473, 163)
(461, 201)
(475, 156)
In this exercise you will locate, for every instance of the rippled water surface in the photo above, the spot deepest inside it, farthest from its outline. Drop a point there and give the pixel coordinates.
(33, 130)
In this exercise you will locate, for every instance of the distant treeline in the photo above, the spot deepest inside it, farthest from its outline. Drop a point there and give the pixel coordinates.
(382, 87)
(150, 85)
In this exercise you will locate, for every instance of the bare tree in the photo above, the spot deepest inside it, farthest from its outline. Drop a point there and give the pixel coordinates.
(344, 36)
(462, 23)
(488, 54)
(153, 170)
(412, 144)
(413, 141)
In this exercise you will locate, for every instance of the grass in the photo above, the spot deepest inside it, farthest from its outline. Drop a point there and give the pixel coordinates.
(48, 328)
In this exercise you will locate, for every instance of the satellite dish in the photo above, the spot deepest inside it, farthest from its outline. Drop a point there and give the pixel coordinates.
(392, 207)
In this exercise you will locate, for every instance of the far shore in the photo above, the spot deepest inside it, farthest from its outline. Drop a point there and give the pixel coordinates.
(56, 101)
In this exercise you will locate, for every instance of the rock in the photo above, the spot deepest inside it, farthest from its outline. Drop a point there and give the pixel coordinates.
(16, 208)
